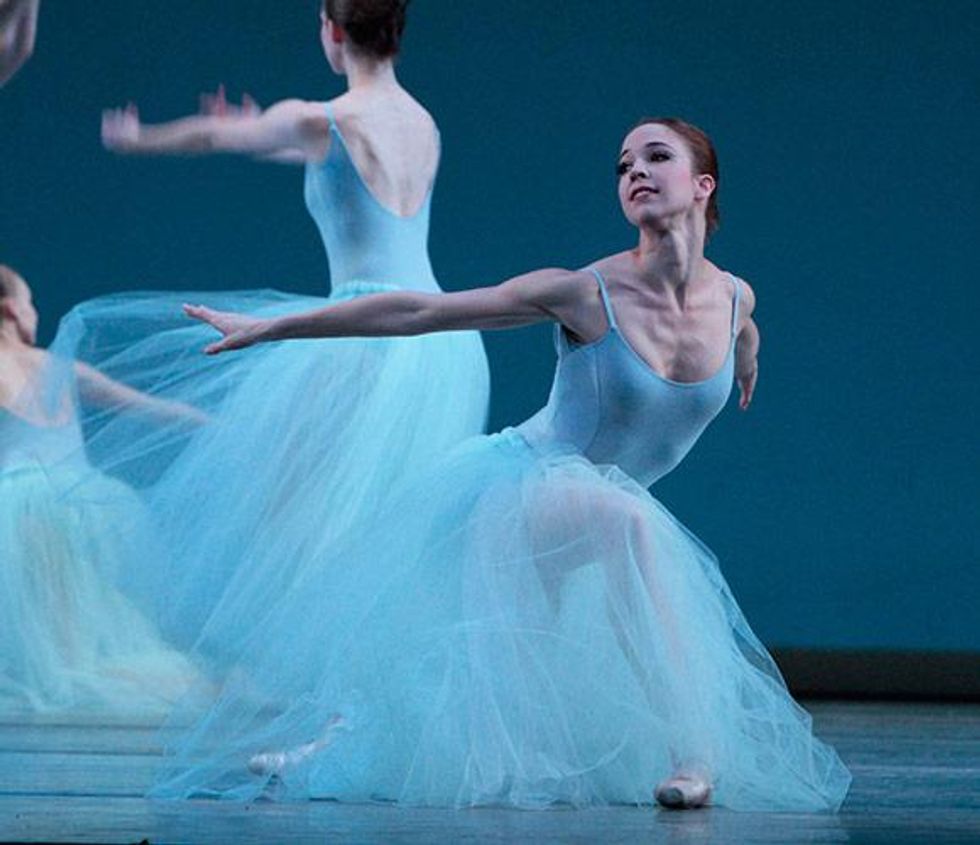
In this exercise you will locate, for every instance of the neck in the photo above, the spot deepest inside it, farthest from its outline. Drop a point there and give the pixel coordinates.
(671, 255)
(365, 72)
(10, 339)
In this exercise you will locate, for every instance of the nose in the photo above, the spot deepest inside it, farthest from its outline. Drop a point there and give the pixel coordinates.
(638, 171)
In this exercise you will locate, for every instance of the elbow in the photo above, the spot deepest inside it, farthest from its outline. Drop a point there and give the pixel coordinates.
(204, 141)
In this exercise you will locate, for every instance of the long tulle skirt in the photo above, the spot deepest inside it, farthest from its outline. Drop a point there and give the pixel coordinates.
(519, 627)
(246, 459)
(69, 639)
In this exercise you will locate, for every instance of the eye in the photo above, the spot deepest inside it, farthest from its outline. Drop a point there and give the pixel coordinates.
(660, 155)
(622, 167)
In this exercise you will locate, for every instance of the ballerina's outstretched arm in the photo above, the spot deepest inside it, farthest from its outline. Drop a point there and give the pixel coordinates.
(291, 129)
(563, 296)
(560, 295)
(99, 389)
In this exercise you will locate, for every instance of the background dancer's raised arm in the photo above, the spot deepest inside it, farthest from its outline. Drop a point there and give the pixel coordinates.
(18, 32)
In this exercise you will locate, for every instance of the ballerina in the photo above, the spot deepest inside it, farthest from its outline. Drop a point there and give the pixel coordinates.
(305, 440)
(525, 625)
(69, 639)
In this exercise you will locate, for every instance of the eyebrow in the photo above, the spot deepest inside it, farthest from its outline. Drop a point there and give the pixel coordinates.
(649, 144)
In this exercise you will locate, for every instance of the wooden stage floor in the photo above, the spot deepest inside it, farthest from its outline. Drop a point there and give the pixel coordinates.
(916, 780)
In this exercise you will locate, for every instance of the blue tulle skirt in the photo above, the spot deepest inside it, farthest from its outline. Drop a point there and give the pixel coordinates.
(517, 627)
(70, 641)
(247, 459)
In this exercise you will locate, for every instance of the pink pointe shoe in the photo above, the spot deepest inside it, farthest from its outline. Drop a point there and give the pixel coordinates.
(683, 792)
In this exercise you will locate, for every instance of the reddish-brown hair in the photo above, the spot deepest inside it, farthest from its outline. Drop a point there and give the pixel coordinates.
(374, 27)
(705, 160)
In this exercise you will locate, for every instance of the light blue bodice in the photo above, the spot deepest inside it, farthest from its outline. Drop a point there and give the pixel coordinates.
(367, 244)
(608, 404)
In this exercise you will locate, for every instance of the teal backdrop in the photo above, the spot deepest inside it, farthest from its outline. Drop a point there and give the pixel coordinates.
(844, 504)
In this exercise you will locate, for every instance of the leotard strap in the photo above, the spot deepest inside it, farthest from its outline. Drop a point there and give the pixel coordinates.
(328, 109)
(606, 303)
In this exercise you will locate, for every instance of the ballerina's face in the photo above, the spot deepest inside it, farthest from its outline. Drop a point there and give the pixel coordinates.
(657, 180)
(19, 309)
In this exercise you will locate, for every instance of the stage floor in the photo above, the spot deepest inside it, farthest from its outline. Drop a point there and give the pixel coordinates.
(916, 780)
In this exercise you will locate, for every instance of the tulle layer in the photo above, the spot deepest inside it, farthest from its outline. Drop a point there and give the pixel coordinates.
(286, 444)
(69, 640)
(518, 627)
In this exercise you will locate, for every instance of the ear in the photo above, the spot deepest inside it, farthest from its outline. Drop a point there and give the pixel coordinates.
(337, 34)
(7, 310)
(704, 186)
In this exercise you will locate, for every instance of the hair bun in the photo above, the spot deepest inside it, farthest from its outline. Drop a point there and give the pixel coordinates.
(374, 26)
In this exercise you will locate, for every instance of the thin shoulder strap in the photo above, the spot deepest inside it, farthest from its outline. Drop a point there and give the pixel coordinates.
(328, 109)
(736, 299)
(607, 304)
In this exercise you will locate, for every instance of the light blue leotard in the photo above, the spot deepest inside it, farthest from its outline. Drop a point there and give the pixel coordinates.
(609, 404)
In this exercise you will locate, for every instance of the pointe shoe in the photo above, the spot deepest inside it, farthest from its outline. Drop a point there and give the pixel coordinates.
(271, 763)
(683, 792)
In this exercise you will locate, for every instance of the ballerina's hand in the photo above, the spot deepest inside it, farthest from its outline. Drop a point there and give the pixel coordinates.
(217, 105)
(239, 330)
(120, 128)
(746, 384)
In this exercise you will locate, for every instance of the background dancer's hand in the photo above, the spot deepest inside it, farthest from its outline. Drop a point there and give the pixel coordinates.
(121, 128)
(18, 31)
(217, 105)
(239, 330)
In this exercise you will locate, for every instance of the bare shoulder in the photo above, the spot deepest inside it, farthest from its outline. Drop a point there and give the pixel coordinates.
(359, 115)
(309, 116)
(555, 286)
(747, 297)
(613, 268)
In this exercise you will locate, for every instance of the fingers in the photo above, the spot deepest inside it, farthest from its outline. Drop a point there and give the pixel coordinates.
(747, 387)
(744, 399)
(111, 125)
(195, 311)
(204, 314)
(120, 127)
(216, 104)
(236, 340)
